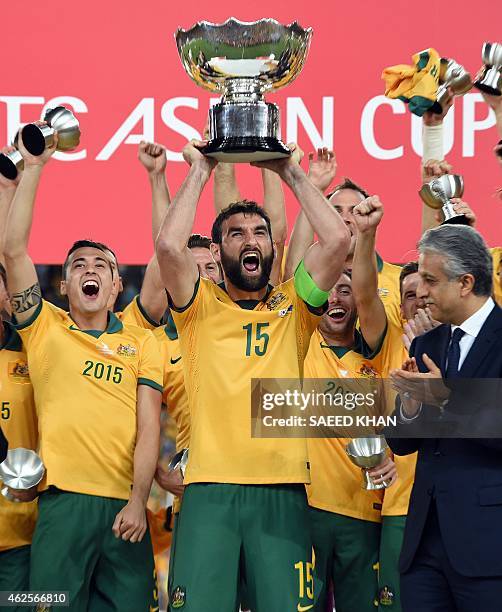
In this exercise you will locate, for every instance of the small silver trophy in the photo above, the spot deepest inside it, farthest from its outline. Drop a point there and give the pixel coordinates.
(367, 453)
(490, 80)
(451, 76)
(243, 61)
(180, 461)
(37, 138)
(21, 470)
(438, 193)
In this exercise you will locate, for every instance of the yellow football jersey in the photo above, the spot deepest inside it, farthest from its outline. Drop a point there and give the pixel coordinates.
(497, 288)
(19, 424)
(388, 287)
(174, 396)
(336, 483)
(135, 314)
(85, 385)
(224, 346)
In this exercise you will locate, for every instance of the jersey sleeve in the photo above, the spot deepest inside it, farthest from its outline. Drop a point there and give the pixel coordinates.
(135, 314)
(186, 318)
(150, 371)
(32, 330)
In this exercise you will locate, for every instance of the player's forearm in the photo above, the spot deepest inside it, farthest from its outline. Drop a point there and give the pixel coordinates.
(274, 205)
(6, 197)
(179, 219)
(146, 455)
(160, 201)
(225, 188)
(364, 269)
(325, 221)
(20, 217)
(302, 237)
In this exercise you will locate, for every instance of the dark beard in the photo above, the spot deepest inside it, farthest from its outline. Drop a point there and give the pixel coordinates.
(233, 272)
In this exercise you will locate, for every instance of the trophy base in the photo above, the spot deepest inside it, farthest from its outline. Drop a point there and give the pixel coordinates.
(456, 220)
(37, 138)
(11, 164)
(245, 149)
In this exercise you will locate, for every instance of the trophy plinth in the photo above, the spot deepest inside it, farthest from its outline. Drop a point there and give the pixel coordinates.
(37, 138)
(490, 80)
(367, 453)
(243, 61)
(438, 193)
(452, 76)
(21, 470)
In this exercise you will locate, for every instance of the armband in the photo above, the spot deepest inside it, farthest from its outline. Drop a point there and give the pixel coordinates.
(307, 289)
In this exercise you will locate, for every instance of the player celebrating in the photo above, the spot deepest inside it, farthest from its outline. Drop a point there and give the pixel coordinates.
(97, 388)
(244, 503)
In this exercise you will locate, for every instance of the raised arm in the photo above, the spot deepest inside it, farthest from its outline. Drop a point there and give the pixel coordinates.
(21, 274)
(322, 171)
(274, 206)
(178, 268)
(7, 191)
(324, 260)
(225, 188)
(153, 157)
(370, 309)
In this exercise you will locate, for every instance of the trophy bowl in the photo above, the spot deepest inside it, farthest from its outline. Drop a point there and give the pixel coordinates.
(451, 76)
(367, 453)
(243, 61)
(438, 193)
(180, 461)
(22, 470)
(37, 137)
(490, 80)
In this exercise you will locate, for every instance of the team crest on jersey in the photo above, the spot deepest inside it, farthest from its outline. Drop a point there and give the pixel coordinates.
(178, 598)
(18, 371)
(386, 596)
(383, 292)
(275, 301)
(126, 350)
(367, 371)
(284, 311)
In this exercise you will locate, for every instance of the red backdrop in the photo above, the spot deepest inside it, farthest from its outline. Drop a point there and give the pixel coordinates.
(117, 63)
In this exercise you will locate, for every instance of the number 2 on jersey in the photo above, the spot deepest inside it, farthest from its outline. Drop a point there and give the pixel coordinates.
(258, 340)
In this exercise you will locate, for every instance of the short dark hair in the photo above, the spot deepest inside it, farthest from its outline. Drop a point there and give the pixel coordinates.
(247, 207)
(348, 184)
(3, 275)
(197, 241)
(464, 252)
(80, 244)
(409, 268)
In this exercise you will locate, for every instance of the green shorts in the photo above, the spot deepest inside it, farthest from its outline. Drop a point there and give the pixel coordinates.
(74, 549)
(346, 553)
(15, 573)
(227, 533)
(389, 597)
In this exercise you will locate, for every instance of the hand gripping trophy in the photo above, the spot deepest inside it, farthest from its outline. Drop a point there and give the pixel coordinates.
(243, 61)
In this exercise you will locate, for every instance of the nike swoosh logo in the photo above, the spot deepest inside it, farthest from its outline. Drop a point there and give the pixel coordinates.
(304, 608)
(173, 361)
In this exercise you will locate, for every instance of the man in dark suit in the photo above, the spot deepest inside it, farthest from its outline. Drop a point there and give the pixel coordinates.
(451, 558)
(3, 446)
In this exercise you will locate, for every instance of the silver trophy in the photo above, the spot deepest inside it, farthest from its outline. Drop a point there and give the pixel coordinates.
(12, 163)
(451, 76)
(490, 80)
(438, 193)
(243, 61)
(37, 138)
(367, 453)
(21, 470)
(180, 461)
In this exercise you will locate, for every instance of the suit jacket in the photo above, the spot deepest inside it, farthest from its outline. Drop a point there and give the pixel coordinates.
(3, 446)
(463, 475)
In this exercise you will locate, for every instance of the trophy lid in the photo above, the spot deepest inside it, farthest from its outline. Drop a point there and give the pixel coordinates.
(265, 51)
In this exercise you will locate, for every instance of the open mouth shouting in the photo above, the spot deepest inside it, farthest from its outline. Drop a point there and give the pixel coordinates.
(250, 261)
(90, 288)
(337, 313)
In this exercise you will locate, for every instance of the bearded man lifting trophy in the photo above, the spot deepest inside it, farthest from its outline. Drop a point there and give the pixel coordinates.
(243, 61)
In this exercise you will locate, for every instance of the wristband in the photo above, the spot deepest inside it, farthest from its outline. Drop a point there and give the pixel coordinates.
(432, 140)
